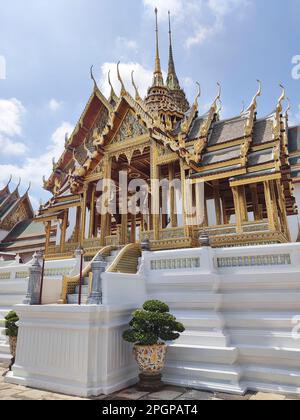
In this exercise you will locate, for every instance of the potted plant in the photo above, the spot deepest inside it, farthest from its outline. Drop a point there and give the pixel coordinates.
(150, 328)
(11, 330)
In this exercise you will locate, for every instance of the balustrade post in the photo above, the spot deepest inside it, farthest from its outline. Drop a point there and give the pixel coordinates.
(98, 267)
(34, 284)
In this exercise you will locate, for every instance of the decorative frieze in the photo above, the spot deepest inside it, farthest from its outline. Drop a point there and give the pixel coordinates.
(254, 261)
(22, 275)
(175, 264)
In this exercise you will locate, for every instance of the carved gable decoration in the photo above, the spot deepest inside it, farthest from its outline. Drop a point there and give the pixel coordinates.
(97, 129)
(19, 214)
(131, 127)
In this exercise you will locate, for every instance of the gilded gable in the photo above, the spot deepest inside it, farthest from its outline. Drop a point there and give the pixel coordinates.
(130, 127)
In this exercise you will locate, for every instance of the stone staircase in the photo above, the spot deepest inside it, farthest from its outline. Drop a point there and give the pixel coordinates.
(12, 292)
(72, 299)
(238, 330)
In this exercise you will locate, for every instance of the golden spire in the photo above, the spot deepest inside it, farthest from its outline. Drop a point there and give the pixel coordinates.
(158, 77)
(172, 79)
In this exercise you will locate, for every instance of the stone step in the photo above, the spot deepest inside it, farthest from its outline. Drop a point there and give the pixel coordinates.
(4, 348)
(204, 376)
(203, 338)
(11, 299)
(84, 289)
(73, 299)
(5, 359)
(205, 354)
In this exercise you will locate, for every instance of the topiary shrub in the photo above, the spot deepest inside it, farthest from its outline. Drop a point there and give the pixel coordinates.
(153, 324)
(11, 329)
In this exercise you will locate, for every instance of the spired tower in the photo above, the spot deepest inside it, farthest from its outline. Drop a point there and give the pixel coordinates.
(168, 100)
(176, 91)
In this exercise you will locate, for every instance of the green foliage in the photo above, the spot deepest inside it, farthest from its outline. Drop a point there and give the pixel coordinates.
(10, 324)
(153, 324)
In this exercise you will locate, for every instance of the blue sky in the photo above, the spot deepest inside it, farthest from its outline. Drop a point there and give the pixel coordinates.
(49, 47)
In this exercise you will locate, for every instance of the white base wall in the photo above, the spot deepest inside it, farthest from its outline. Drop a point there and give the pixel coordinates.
(83, 356)
(238, 319)
(239, 307)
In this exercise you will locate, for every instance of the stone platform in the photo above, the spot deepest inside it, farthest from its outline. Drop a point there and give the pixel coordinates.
(169, 393)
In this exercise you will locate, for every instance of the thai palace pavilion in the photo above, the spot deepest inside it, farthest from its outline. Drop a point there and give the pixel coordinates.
(235, 174)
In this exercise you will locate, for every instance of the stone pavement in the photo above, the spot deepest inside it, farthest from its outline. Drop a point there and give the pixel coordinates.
(171, 393)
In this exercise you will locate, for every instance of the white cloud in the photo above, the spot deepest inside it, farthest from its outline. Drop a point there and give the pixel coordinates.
(12, 148)
(33, 169)
(142, 76)
(123, 43)
(175, 6)
(11, 112)
(54, 105)
(205, 18)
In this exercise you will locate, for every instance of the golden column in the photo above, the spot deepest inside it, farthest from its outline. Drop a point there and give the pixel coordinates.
(83, 216)
(155, 205)
(172, 195)
(78, 224)
(92, 212)
(48, 236)
(105, 216)
(64, 227)
(255, 202)
(217, 199)
(269, 205)
(237, 208)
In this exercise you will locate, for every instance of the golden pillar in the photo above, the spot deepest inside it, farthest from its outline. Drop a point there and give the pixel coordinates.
(172, 195)
(255, 202)
(83, 216)
(282, 210)
(237, 208)
(64, 226)
(155, 206)
(217, 199)
(92, 212)
(78, 224)
(269, 205)
(48, 237)
(105, 216)
(243, 203)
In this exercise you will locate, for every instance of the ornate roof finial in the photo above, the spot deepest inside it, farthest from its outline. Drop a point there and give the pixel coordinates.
(112, 91)
(158, 77)
(93, 79)
(288, 108)
(123, 89)
(220, 106)
(198, 95)
(19, 183)
(253, 104)
(217, 98)
(280, 100)
(28, 189)
(137, 95)
(9, 181)
(172, 79)
(243, 107)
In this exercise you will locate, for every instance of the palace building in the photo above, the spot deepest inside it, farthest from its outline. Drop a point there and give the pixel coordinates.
(239, 172)
(20, 234)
